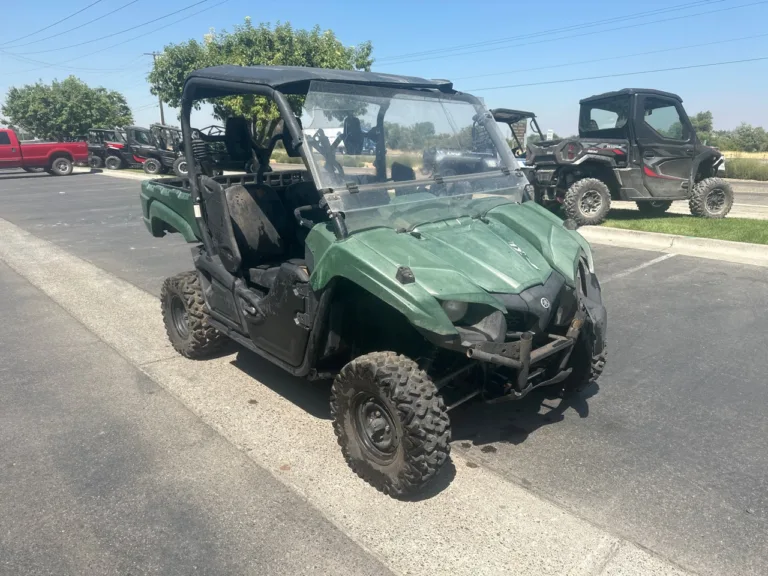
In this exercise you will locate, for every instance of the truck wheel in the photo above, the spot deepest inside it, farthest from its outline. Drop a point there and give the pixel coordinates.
(95, 161)
(152, 166)
(113, 162)
(654, 208)
(180, 167)
(61, 167)
(186, 317)
(390, 422)
(711, 198)
(587, 202)
(587, 367)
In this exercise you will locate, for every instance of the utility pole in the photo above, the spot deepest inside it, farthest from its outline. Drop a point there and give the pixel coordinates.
(159, 99)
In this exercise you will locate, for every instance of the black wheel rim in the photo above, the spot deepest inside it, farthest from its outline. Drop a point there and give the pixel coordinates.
(375, 427)
(180, 317)
(715, 201)
(113, 162)
(591, 202)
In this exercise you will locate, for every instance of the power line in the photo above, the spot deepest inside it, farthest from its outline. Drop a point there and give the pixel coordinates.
(697, 3)
(115, 11)
(148, 22)
(588, 33)
(569, 64)
(52, 25)
(620, 74)
(131, 39)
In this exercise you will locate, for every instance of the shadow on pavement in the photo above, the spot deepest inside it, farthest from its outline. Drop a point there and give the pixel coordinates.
(513, 422)
(39, 175)
(312, 397)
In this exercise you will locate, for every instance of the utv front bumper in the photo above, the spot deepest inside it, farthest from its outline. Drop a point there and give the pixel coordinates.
(532, 355)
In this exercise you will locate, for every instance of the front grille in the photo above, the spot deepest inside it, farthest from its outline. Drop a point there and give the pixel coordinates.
(518, 321)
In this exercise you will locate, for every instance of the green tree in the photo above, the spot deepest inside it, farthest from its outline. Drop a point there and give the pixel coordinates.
(65, 109)
(250, 45)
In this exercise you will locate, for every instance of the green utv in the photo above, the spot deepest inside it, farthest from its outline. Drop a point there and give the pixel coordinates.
(414, 292)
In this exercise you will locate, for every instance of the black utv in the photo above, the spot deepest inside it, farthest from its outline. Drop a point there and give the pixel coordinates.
(99, 144)
(634, 144)
(159, 157)
(130, 153)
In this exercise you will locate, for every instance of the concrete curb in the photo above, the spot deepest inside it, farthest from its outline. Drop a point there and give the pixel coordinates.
(738, 252)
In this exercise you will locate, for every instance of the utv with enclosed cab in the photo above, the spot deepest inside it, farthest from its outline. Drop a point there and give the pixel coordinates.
(634, 144)
(99, 143)
(165, 149)
(413, 292)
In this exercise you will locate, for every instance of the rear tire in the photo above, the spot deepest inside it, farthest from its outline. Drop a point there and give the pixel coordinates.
(654, 208)
(180, 167)
(61, 167)
(152, 166)
(711, 198)
(95, 161)
(186, 317)
(587, 202)
(113, 162)
(390, 422)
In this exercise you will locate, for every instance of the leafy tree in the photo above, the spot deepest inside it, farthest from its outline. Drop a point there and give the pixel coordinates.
(252, 45)
(64, 110)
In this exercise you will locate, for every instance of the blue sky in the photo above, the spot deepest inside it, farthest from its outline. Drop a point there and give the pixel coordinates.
(505, 44)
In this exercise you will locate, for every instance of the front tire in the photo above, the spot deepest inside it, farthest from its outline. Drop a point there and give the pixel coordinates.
(186, 317)
(587, 367)
(711, 198)
(390, 422)
(61, 167)
(654, 207)
(152, 166)
(113, 162)
(180, 167)
(95, 161)
(587, 202)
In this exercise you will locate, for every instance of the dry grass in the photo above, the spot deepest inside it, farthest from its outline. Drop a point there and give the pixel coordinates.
(750, 155)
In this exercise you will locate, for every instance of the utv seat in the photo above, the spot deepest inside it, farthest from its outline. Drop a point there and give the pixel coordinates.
(259, 223)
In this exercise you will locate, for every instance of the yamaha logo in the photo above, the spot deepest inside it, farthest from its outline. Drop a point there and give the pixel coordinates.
(545, 303)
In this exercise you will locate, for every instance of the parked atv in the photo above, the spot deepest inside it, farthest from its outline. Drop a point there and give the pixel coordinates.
(132, 152)
(211, 146)
(164, 151)
(634, 144)
(98, 144)
(411, 300)
(511, 118)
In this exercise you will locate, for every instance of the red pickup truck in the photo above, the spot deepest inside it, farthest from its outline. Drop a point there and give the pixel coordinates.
(56, 158)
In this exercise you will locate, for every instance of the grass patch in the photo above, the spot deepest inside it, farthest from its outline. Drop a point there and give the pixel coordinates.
(733, 229)
(746, 169)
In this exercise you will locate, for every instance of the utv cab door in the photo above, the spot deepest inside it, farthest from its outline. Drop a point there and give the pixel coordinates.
(141, 143)
(667, 146)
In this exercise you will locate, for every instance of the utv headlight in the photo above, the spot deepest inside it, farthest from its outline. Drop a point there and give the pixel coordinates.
(455, 310)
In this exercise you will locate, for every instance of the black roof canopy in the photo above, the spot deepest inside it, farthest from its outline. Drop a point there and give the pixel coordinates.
(509, 116)
(630, 91)
(294, 79)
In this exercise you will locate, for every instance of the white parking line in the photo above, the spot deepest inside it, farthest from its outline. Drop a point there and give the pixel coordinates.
(479, 524)
(637, 268)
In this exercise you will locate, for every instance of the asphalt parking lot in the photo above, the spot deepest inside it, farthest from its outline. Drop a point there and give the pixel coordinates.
(669, 451)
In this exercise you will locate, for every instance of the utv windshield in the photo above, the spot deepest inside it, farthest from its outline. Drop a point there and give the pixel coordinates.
(402, 158)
